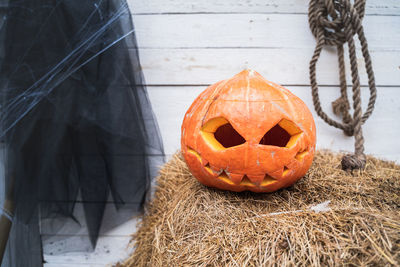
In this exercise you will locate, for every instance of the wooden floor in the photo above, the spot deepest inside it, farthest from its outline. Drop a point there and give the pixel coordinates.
(186, 45)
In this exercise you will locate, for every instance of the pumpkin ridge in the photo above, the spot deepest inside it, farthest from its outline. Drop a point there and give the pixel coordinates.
(216, 95)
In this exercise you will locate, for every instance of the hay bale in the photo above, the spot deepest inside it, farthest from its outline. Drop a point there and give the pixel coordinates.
(330, 217)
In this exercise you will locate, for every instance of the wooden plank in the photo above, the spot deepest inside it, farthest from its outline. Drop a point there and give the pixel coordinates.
(282, 65)
(76, 264)
(380, 131)
(60, 247)
(249, 30)
(382, 7)
(109, 250)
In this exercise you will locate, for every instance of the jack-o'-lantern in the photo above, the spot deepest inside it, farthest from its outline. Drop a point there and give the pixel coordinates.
(247, 133)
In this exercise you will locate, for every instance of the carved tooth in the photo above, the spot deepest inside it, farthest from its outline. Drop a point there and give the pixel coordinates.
(276, 173)
(215, 169)
(268, 180)
(204, 161)
(256, 179)
(246, 181)
(225, 177)
(236, 178)
(194, 152)
(300, 155)
(285, 171)
(209, 170)
(223, 173)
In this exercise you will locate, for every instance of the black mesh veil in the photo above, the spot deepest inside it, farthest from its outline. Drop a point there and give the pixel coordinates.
(76, 126)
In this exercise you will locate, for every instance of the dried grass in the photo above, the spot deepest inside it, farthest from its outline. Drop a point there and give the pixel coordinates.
(188, 224)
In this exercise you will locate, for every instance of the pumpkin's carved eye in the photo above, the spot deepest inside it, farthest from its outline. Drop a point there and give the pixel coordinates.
(283, 134)
(228, 137)
(277, 136)
(220, 134)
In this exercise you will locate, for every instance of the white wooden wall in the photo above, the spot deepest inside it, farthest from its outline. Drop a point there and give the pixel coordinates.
(185, 45)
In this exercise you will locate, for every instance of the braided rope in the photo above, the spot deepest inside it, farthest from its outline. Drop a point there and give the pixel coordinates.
(334, 23)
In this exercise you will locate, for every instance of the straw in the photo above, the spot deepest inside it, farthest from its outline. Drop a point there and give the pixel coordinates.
(328, 218)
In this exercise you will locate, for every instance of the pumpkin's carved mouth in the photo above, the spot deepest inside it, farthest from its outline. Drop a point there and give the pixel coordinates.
(232, 178)
(220, 135)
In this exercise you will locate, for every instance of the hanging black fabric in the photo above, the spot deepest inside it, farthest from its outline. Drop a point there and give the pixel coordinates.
(76, 123)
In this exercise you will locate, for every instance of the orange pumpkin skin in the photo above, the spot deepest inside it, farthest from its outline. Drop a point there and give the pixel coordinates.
(247, 133)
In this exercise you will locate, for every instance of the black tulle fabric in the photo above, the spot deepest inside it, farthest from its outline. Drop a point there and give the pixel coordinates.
(76, 126)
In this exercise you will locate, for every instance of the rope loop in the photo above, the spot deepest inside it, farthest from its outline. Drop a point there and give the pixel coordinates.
(338, 20)
(334, 23)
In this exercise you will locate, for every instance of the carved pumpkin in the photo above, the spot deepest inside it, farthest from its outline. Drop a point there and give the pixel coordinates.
(247, 133)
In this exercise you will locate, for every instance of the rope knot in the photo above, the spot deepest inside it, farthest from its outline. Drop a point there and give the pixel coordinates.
(353, 161)
(335, 21)
(340, 106)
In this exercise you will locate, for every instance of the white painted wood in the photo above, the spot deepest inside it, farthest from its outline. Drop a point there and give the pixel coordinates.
(249, 30)
(112, 245)
(381, 7)
(285, 66)
(380, 131)
(76, 264)
(109, 250)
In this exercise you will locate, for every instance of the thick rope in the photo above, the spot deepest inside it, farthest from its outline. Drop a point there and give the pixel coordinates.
(333, 23)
